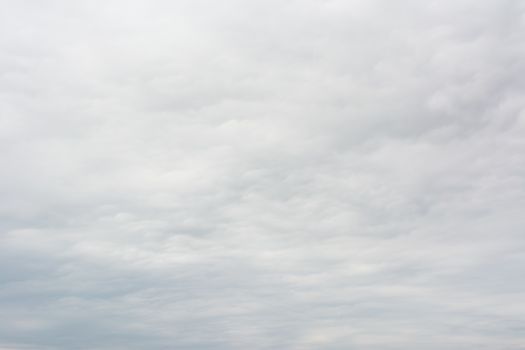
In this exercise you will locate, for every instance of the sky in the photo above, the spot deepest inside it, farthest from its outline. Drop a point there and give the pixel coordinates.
(249, 174)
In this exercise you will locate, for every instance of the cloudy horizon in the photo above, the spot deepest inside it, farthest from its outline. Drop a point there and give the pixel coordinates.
(314, 174)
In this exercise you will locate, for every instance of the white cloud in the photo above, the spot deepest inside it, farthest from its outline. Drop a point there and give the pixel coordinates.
(261, 174)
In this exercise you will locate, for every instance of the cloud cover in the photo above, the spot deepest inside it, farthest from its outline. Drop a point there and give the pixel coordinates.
(262, 174)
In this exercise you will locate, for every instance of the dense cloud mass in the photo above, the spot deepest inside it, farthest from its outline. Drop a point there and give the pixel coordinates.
(249, 174)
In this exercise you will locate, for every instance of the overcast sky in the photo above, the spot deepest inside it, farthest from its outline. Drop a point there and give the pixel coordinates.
(262, 174)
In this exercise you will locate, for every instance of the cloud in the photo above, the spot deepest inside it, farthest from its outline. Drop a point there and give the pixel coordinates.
(263, 174)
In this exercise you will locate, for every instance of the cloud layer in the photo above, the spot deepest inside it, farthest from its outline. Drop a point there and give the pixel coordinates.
(262, 174)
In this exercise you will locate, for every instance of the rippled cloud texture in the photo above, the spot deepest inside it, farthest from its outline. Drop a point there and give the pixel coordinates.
(262, 174)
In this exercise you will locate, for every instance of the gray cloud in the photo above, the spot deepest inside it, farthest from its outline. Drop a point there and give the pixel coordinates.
(262, 174)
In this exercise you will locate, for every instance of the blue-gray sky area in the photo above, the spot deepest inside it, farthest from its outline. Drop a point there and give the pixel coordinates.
(262, 174)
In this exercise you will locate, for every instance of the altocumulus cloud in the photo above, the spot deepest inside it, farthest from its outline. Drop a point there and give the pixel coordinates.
(314, 174)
